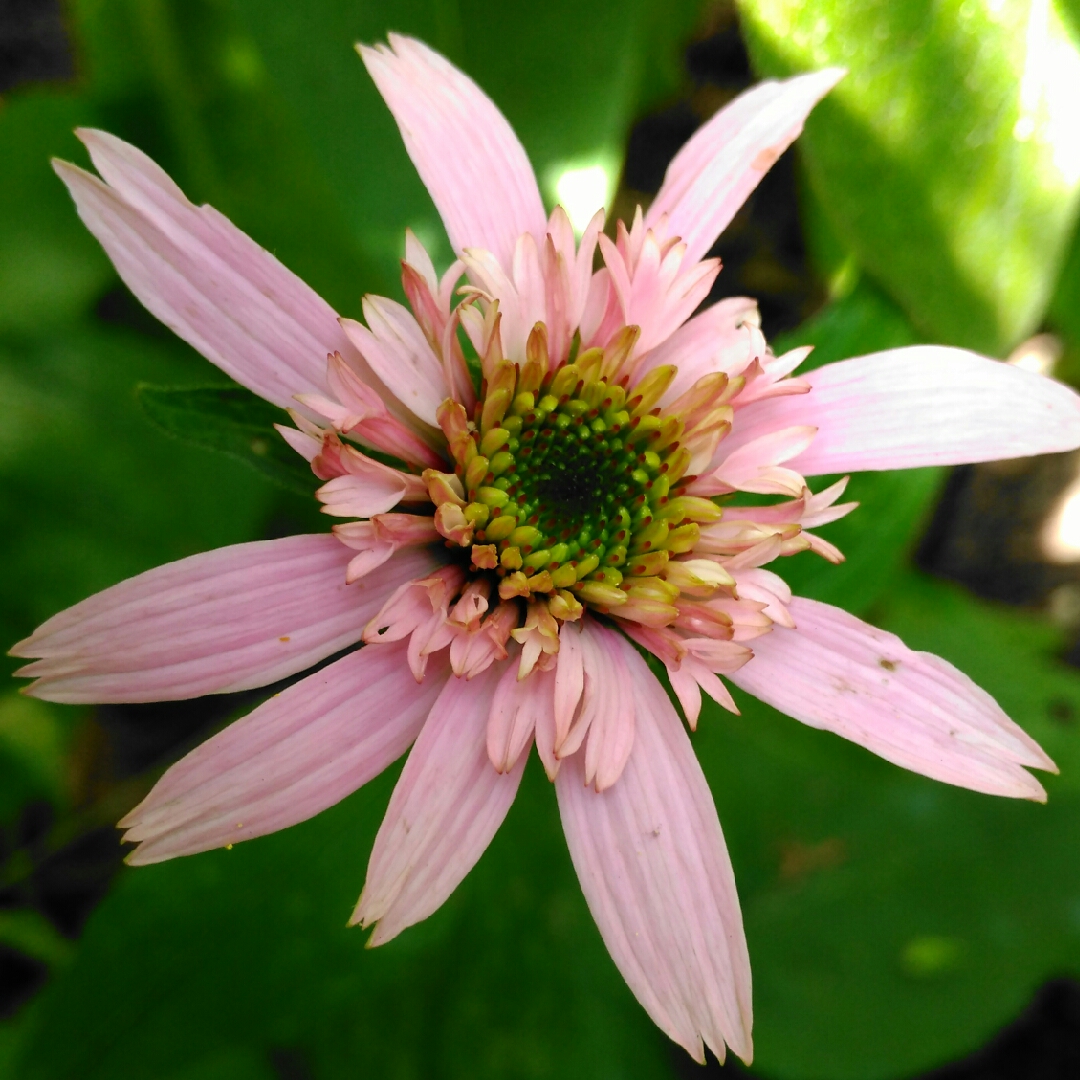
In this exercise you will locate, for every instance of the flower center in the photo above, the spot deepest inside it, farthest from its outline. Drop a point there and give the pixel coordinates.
(570, 483)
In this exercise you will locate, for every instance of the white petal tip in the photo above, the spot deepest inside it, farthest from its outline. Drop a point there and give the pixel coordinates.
(64, 169)
(831, 75)
(102, 141)
(379, 937)
(370, 54)
(136, 858)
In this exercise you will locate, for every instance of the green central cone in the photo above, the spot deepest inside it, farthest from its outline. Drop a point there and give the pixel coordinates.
(575, 479)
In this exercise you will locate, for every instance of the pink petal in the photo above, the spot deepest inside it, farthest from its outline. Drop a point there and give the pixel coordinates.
(401, 356)
(368, 487)
(656, 875)
(520, 291)
(464, 150)
(226, 620)
(657, 286)
(445, 809)
(404, 438)
(604, 704)
(379, 538)
(567, 276)
(711, 177)
(923, 405)
(515, 710)
(769, 589)
(569, 680)
(835, 672)
(607, 706)
(754, 465)
(205, 279)
(689, 679)
(298, 753)
(808, 510)
(724, 337)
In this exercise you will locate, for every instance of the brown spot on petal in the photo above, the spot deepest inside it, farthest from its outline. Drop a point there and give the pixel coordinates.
(889, 665)
(766, 159)
(283, 638)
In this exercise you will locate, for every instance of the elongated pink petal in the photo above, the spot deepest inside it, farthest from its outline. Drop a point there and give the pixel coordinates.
(517, 707)
(923, 405)
(724, 337)
(367, 489)
(689, 679)
(225, 620)
(608, 706)
(835, 672)
(655, 872)
(464, 150)
(519, 290)
(204, 278)
(447, 806)
(401, 355)
(755, 465)
(655, 293)
(710, 178)
(298, 753)
(601, 696)
(569, 680)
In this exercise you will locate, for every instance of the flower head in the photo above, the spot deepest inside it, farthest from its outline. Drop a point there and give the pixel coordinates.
(538, 466)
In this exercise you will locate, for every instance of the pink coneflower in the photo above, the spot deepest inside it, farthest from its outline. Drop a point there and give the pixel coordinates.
(570, 446)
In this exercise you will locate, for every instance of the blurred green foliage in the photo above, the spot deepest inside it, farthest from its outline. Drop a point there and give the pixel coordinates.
(893, 923)
(233, 420)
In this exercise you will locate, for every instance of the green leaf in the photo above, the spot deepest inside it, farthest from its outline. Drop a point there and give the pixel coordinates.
(33, 934)
(948, 160)
(1064, 314)
(233, 420)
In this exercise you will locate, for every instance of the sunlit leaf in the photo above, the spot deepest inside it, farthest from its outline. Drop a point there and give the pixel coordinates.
(1064, 313)
(949, 158)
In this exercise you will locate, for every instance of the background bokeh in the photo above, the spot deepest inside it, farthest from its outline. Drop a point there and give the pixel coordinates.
(894, 924)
